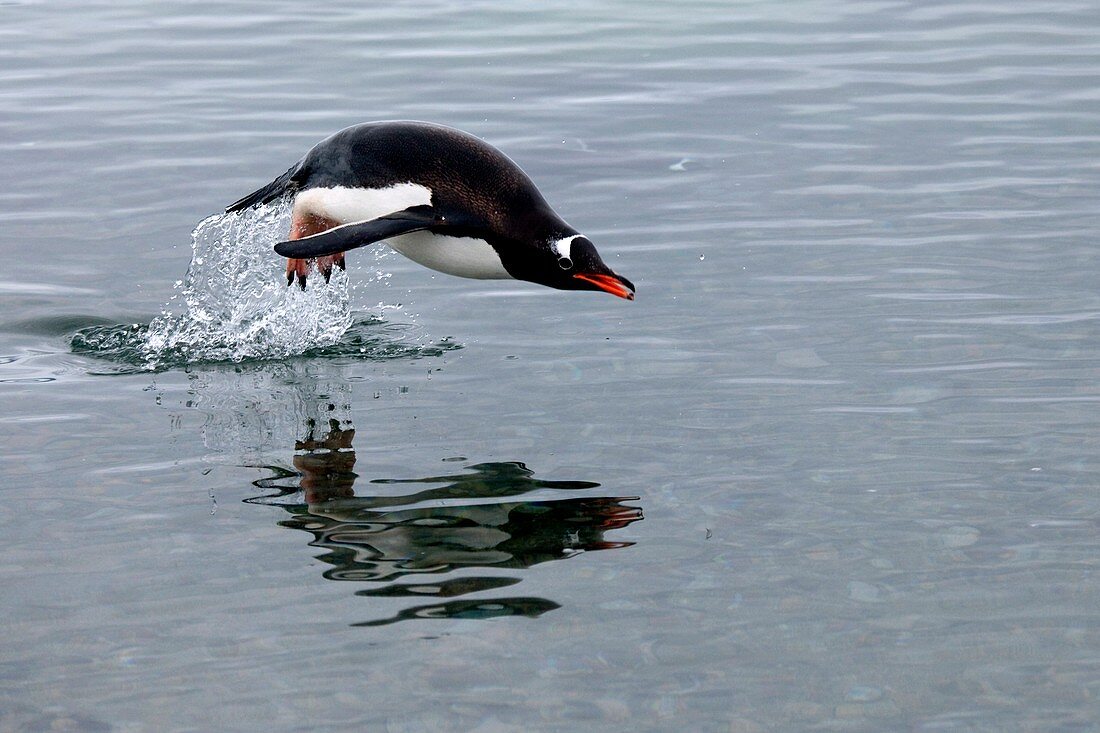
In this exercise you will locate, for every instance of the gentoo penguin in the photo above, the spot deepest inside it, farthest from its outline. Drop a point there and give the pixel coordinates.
(437, 195)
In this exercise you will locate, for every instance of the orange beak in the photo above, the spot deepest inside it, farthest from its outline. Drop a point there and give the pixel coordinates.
(609, 284)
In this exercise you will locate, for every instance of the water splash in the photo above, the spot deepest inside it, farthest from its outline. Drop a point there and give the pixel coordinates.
(235, 305)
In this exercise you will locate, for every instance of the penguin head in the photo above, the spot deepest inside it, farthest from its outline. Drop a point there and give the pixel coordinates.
(569, 261)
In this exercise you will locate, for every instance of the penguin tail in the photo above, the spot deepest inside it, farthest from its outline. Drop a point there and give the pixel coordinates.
(268, 193)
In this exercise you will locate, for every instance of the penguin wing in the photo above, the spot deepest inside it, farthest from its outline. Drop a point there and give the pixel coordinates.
(361, 233)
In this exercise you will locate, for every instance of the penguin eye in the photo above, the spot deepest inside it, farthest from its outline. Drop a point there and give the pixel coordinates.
(565, 263)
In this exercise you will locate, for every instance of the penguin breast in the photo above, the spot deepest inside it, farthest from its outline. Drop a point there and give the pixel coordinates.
(462, 256)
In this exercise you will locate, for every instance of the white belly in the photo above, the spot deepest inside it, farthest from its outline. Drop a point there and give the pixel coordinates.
(462, 256)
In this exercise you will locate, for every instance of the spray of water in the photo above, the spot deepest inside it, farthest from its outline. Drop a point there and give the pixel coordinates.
(235, 305)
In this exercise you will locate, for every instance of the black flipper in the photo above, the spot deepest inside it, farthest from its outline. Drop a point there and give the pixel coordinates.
(361, 233)
(270, 192)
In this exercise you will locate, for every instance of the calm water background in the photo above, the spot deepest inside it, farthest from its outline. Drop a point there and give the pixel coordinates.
(835, 469)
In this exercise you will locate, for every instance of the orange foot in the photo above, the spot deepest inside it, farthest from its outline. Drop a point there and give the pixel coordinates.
(304, 226)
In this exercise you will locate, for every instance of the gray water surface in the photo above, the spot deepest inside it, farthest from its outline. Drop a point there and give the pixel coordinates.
(834, 469)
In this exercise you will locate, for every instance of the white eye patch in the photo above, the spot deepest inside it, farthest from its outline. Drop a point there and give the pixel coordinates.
(564, 246)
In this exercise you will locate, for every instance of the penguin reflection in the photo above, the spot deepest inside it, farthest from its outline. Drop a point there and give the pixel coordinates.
(386, 538)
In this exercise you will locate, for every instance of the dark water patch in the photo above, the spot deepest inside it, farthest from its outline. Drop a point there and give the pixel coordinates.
(444, 589)
(127, 346)
(123, 344)
(371, 337)
(60, 325)
(495, 608)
